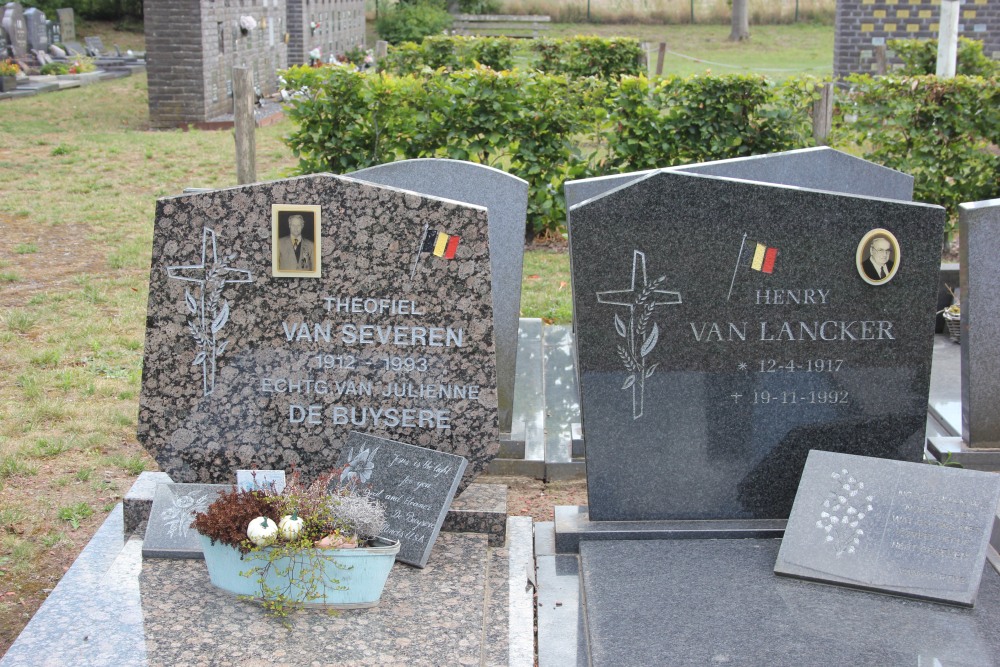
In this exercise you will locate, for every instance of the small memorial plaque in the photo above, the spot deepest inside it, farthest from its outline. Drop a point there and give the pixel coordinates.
(908, 529)
(416, 484)
(261, 479)
(169, 533)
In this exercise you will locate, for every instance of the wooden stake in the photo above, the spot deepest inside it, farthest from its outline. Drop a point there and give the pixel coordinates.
(244, 126)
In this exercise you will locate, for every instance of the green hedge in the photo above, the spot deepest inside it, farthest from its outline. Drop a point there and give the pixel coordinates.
(943, 132)
(544, 128)
(576, 56)
(919, 57)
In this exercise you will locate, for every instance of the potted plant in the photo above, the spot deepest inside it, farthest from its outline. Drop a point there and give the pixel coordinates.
(309, 545)
(8, 75)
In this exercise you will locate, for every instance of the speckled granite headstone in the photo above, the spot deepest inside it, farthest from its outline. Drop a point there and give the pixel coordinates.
(724, 329)
(242, 369)
(416, 484)
(505, 197)
(169, 533)
(907, 529)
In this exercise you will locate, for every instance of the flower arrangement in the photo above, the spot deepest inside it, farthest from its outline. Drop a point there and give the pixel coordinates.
(9, 68)
(285, 539)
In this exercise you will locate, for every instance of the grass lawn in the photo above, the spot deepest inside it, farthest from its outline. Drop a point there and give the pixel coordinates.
(79, 177)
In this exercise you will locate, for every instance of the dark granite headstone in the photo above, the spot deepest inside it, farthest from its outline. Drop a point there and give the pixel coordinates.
(506, 199)
(908, 529)
(416, 484)
(979, 230)
(243, 369)
(725, 328)
(169, 533)
(261, 479)
(819, 168)
(38, 34)
(17, 29)
(67, 24)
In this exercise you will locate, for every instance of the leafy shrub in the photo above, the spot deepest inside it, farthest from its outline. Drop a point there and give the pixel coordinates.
(411, 22)
(919, 57)
(682, 120)
(943, 132)
(479, 6)
(535, 125)
(451, 52)
(589, 56)
(55, 68)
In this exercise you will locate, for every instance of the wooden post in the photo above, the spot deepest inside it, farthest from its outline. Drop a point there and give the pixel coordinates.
(644, 57)
(823, 114)
(881, 60)
(244, 126)
(659, 58)
(947, 39)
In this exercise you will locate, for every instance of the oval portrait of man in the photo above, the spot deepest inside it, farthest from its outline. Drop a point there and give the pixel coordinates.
(878, 257)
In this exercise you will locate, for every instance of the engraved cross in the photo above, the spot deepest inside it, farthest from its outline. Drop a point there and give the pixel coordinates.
(646, 296)
(216, 275)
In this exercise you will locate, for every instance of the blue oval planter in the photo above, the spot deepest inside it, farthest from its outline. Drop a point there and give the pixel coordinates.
(360, 574)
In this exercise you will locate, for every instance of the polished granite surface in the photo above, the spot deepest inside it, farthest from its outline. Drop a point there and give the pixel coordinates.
(113, 608)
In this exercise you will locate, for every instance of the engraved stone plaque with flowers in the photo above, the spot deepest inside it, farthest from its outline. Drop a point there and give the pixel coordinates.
(908, 529)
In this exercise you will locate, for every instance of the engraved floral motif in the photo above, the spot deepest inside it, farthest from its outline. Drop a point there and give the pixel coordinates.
(180, 514)
(844, 510)
(209, 313)
(641, 333)
(359, 468)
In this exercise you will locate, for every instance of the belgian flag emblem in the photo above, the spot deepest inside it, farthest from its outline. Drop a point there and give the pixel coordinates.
(440, 244)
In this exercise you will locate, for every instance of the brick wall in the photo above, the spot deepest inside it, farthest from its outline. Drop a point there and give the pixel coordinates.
(340, 28)
(192, 46)
(862, 25)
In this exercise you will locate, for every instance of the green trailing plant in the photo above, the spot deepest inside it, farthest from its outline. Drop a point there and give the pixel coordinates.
(283, 536)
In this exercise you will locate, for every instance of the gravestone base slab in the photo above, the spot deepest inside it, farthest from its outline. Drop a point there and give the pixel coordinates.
(701, 602)
(470, 605)
(573, 527)
(139, 500)
(957, 450)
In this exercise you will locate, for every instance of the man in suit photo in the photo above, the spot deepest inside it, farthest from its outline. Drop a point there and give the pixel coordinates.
(295, 252)
(879, 264)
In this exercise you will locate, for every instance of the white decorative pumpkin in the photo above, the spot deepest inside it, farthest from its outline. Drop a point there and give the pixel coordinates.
(262, 530)
(290, 525)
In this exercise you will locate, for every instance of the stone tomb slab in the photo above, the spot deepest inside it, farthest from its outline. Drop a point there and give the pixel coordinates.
(505, 197)
(707, 602)
(416, 484)
(725, 328)
(169, 533)
(245, 369)
(907, 529)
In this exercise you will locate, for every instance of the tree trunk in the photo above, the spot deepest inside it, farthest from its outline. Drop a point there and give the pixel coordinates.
(741, 22)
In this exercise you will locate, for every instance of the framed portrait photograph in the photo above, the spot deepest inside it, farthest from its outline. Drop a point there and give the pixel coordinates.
(877, 257)
(296, 235)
